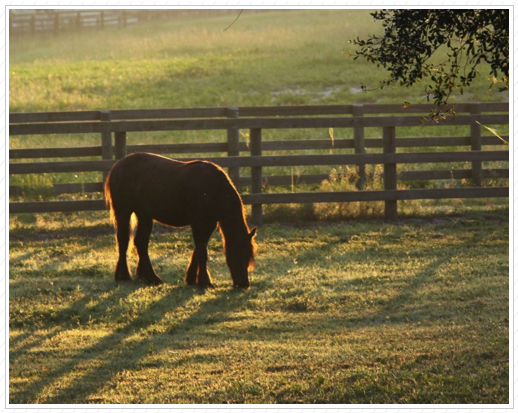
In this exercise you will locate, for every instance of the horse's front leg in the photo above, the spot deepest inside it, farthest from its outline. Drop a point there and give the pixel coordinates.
(192, 270)
(201, 233)
(145, 270)
(204, 279)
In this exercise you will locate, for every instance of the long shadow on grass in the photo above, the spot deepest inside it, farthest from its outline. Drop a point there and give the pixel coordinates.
(110, 352)
(68, 318)
(116, 354)
(391, 311)
(396, 310)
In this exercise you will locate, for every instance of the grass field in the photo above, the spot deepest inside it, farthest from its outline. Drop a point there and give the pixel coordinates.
(296, 57)
(271, 58)
(339, 311)
(352, 312)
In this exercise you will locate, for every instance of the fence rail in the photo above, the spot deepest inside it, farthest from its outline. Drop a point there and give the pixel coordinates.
(114, 126)
(56, 21)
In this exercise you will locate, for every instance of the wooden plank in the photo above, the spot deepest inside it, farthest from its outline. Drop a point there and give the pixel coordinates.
(287, 198)
(278, 160)
(306, 144)
(245, 111)
(56, 206)
(117, 115)
(181, 148)
(267, 146)
(59, 189)
(57, 167)
(242, 123)
(442, 141)
(53, 116)
(288, 180)
(285, 180)
(452, 174)
(55, 152)
(393, 195)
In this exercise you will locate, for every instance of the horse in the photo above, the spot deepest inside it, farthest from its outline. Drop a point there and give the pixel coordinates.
(196, 193)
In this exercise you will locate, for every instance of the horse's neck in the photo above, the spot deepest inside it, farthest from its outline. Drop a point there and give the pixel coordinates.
(232, 218)
(234, 228)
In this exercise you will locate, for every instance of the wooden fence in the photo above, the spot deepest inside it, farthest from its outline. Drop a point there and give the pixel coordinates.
(56, 21)
(113, 128)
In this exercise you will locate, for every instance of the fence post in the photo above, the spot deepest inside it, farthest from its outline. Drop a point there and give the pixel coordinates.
(33, 25)
(233, 145)
(106, 140)
(359, 145)
(257, 174)
(124, 18)
(56, 23)
(476, 144)
(120, 145)
(390, 170)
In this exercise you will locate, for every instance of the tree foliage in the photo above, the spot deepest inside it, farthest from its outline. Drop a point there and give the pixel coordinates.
(411, 38)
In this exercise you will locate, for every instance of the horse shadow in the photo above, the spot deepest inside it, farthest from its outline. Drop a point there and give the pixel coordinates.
(126, 348)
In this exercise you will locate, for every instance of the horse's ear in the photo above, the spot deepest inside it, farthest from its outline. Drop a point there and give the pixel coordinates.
(253, 232)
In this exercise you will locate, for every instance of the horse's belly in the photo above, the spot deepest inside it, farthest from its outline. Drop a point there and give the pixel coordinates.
(176, 220)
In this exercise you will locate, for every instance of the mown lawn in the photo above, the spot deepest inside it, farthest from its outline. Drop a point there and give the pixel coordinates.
(338, 312)
(355, 311)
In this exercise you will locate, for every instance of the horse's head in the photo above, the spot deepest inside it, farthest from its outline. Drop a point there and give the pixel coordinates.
(240, 253)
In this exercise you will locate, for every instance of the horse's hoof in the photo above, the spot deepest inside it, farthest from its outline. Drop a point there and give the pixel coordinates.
(156, 280)
(208, 285)
(152, 281)
(123, 278)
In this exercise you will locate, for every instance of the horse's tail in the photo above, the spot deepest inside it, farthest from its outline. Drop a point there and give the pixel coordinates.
(113, 214)
(108, 199)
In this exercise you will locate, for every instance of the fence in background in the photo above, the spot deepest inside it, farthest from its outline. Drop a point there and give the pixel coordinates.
(56, 21)
(114, 127)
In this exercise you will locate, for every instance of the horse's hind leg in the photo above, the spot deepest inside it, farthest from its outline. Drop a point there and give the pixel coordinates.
(145, 270)
(122, 272)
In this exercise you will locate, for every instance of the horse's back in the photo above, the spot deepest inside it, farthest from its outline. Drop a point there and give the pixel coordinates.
(173, 192)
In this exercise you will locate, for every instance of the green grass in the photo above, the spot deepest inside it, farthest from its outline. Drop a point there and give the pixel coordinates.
(352, 311)
(296, 57)
(269, 58)
(344, 312)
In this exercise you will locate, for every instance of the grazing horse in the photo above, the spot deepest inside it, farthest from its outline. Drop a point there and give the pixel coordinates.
(196, 193)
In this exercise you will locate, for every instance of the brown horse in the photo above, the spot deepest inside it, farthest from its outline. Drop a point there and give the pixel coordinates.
(197, 193)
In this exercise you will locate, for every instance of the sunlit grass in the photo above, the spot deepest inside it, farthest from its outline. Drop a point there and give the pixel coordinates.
(295, 57)
(350, 312)
(269, 58)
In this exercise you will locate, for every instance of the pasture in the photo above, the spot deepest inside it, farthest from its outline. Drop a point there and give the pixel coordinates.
(342, 308)
(351, 312)
(270, 58)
